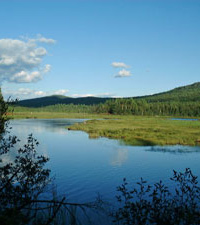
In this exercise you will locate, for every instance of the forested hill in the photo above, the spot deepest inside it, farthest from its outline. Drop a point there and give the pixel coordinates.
(181, 94)
(59, 99)
(182, 101)
(189, 93)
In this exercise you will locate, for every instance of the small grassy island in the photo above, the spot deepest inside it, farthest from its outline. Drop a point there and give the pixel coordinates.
(137, 130)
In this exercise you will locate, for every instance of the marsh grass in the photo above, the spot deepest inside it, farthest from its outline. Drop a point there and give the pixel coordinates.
(131, 130)
(144, 130)
(54, 115)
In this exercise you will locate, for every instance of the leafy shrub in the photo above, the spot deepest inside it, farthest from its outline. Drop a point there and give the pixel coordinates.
(158, 205)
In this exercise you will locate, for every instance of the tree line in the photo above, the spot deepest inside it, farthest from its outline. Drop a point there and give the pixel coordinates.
(142, 107)
(125, 106)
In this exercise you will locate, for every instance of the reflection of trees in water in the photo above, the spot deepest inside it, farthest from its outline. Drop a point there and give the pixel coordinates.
(178, 149)
(120, 156)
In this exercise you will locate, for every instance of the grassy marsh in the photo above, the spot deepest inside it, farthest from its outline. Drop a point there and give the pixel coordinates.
(137, 130)
(54, 115)
(132, 130)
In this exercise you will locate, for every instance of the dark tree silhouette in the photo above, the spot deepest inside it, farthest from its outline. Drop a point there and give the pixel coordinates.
(158, 205)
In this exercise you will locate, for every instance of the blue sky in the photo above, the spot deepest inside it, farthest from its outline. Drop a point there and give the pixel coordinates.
(98, 47)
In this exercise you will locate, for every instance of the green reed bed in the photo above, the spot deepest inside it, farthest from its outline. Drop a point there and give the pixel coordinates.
(135, 130)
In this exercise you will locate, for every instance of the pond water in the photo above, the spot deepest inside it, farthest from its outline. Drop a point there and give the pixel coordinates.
(84, 167)
(186, 119)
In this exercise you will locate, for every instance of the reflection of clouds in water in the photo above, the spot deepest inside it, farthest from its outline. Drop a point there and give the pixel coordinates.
(42, 125)
(38, 129)
(120, 156)
(7, 158)
(25, 129)
(10, 156)
(42, 150)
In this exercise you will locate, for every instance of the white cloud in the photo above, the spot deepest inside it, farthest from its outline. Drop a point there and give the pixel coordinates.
(40, 93)
(46, 40)
(102, 95)
(61, 92)
(21, 93)
(119, 65)
(26, 93)
(21, 60)
(47, 68)
(39, 38)
(123, 73)
(25, 77)
(82, 95)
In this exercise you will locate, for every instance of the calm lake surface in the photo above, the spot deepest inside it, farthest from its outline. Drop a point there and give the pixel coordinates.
(84, 167)
(186, 119)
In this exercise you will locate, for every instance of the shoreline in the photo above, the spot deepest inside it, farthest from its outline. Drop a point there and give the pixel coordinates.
(131, 130)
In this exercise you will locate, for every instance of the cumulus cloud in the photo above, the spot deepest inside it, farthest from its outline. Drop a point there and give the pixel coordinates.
(82, 95)
(123, 73)
(61, 92)
(46, 40)
(26, 93)
(25, 77)
(119, 65)
(39, 93)
(39, 38)
(102, 95)
(47, 68)
(21, 93)
(21, 60)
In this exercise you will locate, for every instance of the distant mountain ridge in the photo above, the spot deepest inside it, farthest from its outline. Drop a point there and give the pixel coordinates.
(60, 99)
(188, 93)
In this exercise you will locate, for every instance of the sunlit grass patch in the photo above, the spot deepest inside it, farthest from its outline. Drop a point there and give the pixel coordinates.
(144, 130)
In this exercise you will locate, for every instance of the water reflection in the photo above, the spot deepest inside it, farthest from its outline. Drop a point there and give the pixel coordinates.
(120, 157)
(84, 167)
(186, 119)
(175, 149)
(43, 125)
(7, 158)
